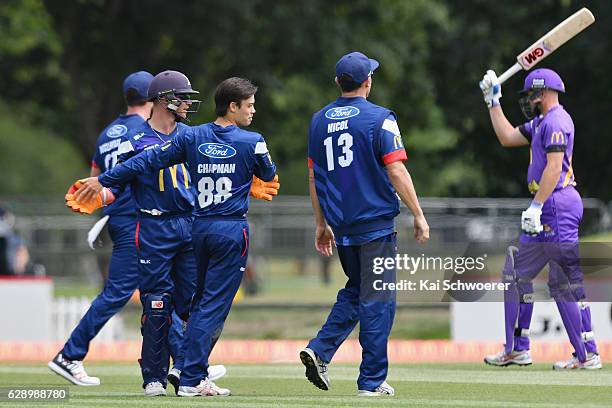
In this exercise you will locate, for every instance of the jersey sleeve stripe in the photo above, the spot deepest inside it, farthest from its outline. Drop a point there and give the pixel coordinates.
(309, 163)
(261, 148)
(394, 156)
(391, 126)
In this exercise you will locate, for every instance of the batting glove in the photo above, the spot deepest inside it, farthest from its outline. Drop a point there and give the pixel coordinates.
(491, 89)
(264, 190)
(102, 199)
(530, 219)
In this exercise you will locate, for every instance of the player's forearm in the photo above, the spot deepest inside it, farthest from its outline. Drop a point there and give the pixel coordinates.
(550, 178)
(314, 200)
(402, 182)
(502, 127)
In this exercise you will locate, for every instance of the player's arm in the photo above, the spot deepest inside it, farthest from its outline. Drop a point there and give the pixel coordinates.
(95, 171)
(392, 153)
(550, 176)
(265, 168)
(508, 135)
(402, 182)
(324, 236)
(160, 157)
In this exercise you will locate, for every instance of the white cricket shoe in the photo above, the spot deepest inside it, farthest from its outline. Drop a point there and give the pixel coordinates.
(593, 362)
(72, 370)
(316, 369)
(382, 390)
(154, 389)
(206, 388)
(214, 373)
(521, 358)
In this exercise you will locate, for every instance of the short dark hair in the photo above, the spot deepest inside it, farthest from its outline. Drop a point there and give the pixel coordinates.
(347, 84)
(232, 90)
(133, 98)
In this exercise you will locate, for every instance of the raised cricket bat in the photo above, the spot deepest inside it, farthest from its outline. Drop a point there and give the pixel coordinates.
(549, 43)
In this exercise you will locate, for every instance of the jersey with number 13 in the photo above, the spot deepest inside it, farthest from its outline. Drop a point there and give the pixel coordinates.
(350, 141)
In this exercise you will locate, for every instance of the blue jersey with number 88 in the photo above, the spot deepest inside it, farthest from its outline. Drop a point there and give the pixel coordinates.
(221, 162)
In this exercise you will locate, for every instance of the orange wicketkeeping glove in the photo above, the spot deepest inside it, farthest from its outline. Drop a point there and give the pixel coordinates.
(104, 198)
(264, 190)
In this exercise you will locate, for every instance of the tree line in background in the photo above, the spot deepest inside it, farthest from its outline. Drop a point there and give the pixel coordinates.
(62, 64)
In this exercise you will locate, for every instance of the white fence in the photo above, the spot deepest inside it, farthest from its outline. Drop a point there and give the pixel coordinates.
(66, 312)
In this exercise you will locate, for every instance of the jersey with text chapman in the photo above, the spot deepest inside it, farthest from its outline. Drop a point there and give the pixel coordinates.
(106, 155)
(546, 134)
(350, 141)
(221, 161)
(164, 191)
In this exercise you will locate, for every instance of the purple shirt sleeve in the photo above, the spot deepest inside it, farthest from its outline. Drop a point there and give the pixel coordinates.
(526, 129)
(554, 138)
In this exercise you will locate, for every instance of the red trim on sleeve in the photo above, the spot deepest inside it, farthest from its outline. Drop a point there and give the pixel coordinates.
(309, 163)
(394, 156)
(94, 165)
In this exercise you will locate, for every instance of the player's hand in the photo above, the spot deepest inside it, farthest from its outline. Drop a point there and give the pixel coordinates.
(88, 189)
(530, 219)
(491, 89)
(421, 229)
(325, 240)
(264, 190)
(88, 206)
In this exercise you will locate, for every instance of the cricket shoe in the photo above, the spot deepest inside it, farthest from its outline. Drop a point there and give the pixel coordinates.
(214, 373)
(521, 358)
(154, 389)
(316, 369)
(593, 362)
(72, 370)
(206, 388)
(382, 390)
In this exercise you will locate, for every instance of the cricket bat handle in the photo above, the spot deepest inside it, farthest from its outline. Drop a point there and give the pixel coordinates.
(509, 72)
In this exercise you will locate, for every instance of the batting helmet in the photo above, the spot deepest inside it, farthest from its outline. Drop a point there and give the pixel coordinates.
(543, 78)
(174, 87)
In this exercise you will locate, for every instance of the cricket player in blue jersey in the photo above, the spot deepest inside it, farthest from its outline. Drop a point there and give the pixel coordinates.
(162, 236)
(221, 159)
(121, 215)
(355, 160)
(550, 224)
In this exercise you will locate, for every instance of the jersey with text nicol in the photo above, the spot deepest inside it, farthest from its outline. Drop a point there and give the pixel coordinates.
(168, 189)
(350, 142)
(106, 156)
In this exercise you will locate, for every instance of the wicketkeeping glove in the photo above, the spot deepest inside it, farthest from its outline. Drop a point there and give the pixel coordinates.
(264, 190)
(530, 219)
(491, 89)
(102, 199)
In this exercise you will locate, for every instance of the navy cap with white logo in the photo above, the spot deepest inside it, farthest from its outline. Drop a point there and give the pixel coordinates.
(357, 66)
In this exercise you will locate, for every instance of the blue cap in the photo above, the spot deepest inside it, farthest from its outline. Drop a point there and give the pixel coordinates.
(138, 81)
(357, 66)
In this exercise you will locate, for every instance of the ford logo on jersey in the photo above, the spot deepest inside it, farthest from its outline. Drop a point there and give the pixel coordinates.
(342, 112)
(116, 131)
(217, 150)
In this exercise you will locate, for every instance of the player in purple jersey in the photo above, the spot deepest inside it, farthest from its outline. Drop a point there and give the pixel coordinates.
(356, 172)
(549, 225)
(121, 217)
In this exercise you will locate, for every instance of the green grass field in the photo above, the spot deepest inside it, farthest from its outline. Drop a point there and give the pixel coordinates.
(452, 385)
